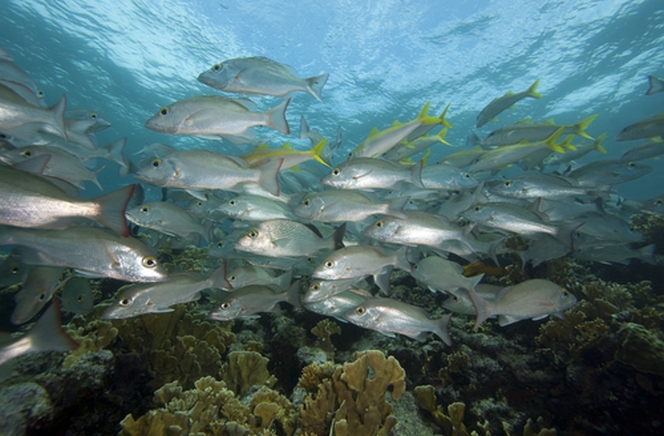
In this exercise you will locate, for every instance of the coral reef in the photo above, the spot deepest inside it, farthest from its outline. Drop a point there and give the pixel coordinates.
(246, 369)
(323, 332)
(353, 400)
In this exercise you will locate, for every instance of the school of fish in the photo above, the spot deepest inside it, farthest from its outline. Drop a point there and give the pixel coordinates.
(288, 224)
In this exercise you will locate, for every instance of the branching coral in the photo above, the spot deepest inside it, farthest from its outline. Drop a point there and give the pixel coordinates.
(324, 331)
(246, 369)
(353, 401)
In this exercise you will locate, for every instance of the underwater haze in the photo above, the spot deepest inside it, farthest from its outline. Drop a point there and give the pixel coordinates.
(125, 59)
(219, 287)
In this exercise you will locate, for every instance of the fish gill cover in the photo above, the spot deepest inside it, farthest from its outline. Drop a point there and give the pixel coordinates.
(582, 243)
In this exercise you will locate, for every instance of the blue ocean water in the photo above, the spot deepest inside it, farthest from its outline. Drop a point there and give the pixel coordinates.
(127, 58)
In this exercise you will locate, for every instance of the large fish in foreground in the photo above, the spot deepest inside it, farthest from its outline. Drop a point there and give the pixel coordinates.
(46, 335)
(260, 75)
(92, 251)
(216, 117)
(27, 200)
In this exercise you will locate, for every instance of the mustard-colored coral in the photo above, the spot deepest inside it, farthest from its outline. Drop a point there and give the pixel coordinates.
(246, 369)
(92, 337)
(353, 401)
(452, 423)
(324, 331)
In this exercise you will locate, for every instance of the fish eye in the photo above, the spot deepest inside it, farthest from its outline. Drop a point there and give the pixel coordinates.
(225, 305)
(565, 294)
(126, 301)
(93, 116)
(149, 262)
(360, 310)
(15, 268)
(467, 176)
(253, 234)
(41, 297)
(631, 165)
(232, 202)
(508, 183)
(156, 163)
(416, 267)
(220, 244)
(379, 224)
(477, 208)
(307, 201)
(329, 264)
(145, 209)
(199, 203)
(164, 111)
(26, 153)
(217, 67)
(79, 298)
(316, 286)
(40, 93)
(456, 299)
(336, 172)
(658, 202)
(232, 278)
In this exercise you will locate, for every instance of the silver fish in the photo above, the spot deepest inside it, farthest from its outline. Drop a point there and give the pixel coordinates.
(93, 251)
(260, 75)
(195, 170)
(460, 302)
(532, 132)
(285, 238)
(27, 200)
(15, 112)
(216, 117)
(337, 305)
(343, 205)
(46, 335)
(250, 301)
(167, 218)
(361, 261)
(443, 275)
(77, 296)
(533, 299)
(648, 128)
(14, 77)
(604, 174)
(389, 316)
(655, 85)
(141, 298)
(37, 290)
(499, 104)
(245, 275)
(322, 289)
(255, 208)
(370, 173)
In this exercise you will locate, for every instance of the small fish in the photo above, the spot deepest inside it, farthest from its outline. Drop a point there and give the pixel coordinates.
(447, 177)
(16, 112)
(167, 218)
(460, 302)
(463, 158)
(647, 150)
(499, 104)
(292, 158)
(141, 298)
(406, 149)
(336, 205)
(337, 305)
(380, 142)
(37, 290)
(77, 296)
(12, 269)
(421, 228)
(285, 238)
(604, 174)
(14, 77)
(217, 117)
(389, 316)
(196, 170)
(440, 274)
(255, 208)
(574, 155)
(27, 200)
(655, 85)
(96, 123)
(322, 289)
(534, 132)
(370, 173)
(245, 275)
(536, 185)
(519, 220)
(260, 75)
(363, 260)
(250, 301)
(46, 335)
(533, 299)
(648, 128)
(90, 250)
